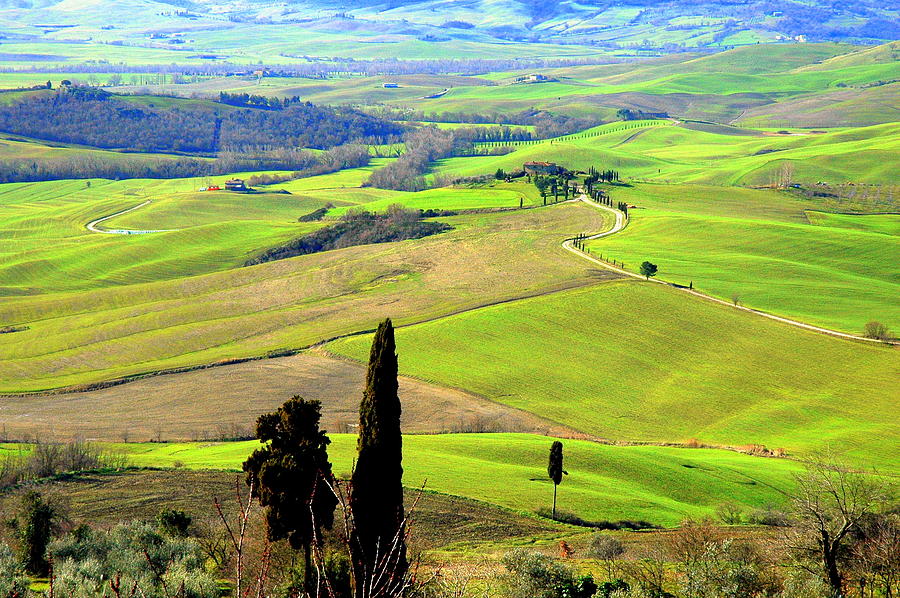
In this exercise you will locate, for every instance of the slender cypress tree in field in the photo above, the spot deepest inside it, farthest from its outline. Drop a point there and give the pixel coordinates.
(37, 522)
(555, 469)
(376, 495)
(289, 477)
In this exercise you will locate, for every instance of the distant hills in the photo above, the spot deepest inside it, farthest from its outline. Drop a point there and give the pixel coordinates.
(628, 24)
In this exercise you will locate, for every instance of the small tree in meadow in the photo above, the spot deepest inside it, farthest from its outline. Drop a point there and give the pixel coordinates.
(555, 469)
(648, 269)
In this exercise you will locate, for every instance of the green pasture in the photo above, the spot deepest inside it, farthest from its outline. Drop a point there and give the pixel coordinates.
(476, 197)
(662, 485)
(143, 321)
(642, 362)
(49, 248)
(655, 151)
(839, 272)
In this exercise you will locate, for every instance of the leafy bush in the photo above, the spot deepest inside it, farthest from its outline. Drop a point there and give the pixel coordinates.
(174, 523)
(769, 515)
(316, 215)
(13, 582)
(876, 330)
(537, 575)
(605, 547)
(730, 513)
(137, 555)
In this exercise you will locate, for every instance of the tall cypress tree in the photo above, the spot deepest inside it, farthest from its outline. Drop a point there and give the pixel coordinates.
(376, 497)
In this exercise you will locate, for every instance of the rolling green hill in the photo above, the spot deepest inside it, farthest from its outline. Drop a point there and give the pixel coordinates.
(81, 336)
(760, 246)
(637, 361)
(661, 485)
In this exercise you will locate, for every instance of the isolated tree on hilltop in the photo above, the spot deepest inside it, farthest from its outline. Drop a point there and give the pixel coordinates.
(648, 269)
(290, 475)
(376, 495)
(555, 469)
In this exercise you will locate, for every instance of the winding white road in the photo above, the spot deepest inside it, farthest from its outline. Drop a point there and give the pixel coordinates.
(92, 225)
(621, 222)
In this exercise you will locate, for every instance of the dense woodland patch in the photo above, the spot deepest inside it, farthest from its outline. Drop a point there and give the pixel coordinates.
(96, 118)
(357, 228)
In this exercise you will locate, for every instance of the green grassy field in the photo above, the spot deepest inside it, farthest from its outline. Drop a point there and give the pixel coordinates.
(50, 249)
(100, 333)
(658, 484)
(702, 154)
(759, 245)
(635, 361)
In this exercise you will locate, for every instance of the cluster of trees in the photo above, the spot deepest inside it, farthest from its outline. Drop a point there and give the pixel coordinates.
(632, 114)
(293, 480)
(357, 227)
(246, 100)
(337, 158)
(554, 185)
(497, 134)
(546, 124)
(44, 459)
(83, 165)
(594, 176)
(98, 119)
(151, 559)
(407, 173)
(317, 67)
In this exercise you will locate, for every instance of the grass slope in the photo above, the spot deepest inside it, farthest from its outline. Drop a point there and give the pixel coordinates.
(658, 484)
(633, 361)
(760, 246)
(97, 334)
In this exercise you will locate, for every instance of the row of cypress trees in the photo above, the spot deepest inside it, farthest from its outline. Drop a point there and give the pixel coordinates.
(292, 477)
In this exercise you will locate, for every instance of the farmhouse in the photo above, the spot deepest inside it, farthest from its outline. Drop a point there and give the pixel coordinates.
(235, 185)
(541, 168)
(534, 78)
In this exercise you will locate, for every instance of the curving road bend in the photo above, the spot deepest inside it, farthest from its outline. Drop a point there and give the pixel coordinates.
(621, 222)
(92, 225)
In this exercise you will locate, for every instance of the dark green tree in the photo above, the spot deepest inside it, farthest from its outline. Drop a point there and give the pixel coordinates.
(555, 469)
(37, 520)
(290, 477)
(174, 523)
(648, 269)
(500, 174)
(376, 496)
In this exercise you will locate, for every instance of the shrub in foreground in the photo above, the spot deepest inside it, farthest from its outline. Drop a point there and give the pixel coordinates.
(135, 554)
(537, 575)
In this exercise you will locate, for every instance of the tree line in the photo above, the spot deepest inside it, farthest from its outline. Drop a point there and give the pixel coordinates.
(83, 165)
(246, 100)
(98, 119)
(546, 124)
(407, 173)
(357, 227)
